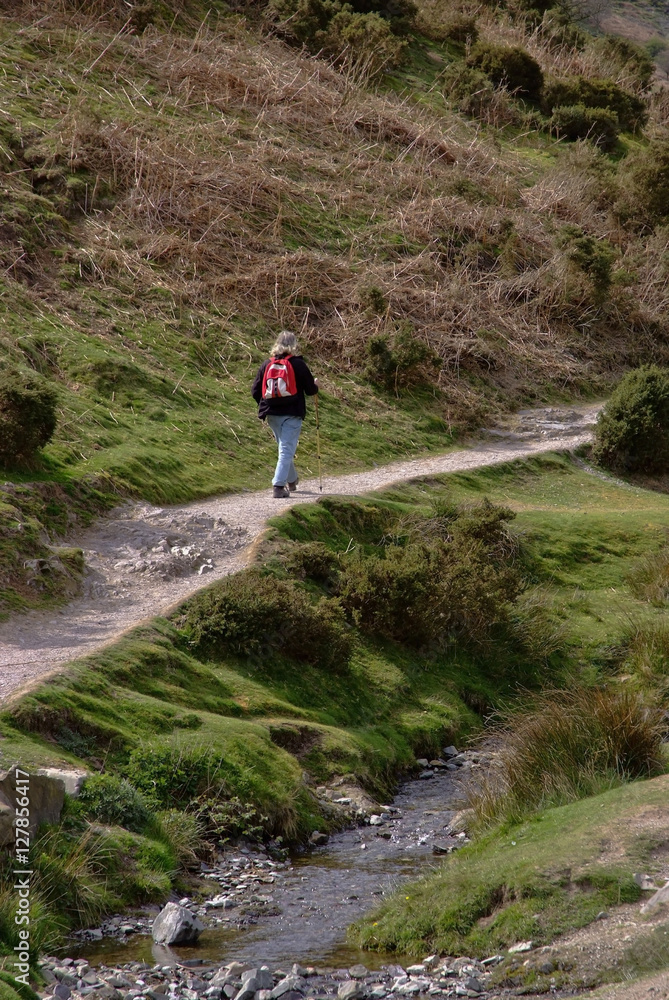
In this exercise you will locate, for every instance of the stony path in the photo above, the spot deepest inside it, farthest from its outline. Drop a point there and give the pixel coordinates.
(142, 560)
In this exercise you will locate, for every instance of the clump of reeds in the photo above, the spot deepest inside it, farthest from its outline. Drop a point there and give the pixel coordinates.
(566, 745)
(643, 653)
(649, 579)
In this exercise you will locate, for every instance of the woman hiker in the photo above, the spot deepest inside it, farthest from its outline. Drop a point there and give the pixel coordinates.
(279, 390)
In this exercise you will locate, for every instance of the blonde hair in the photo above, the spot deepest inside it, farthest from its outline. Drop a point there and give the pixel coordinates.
(286, 343)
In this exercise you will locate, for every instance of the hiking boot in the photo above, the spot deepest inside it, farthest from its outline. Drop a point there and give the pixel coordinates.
(280, 493)
(293, 486)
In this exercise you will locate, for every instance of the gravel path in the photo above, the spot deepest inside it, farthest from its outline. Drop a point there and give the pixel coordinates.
(141, 560)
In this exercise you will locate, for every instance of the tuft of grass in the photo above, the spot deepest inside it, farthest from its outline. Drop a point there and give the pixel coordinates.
(642, 655)
(649, 579)
(183, 835)
(567, 745)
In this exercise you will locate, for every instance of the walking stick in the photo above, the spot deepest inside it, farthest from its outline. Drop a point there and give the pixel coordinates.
(318, 446)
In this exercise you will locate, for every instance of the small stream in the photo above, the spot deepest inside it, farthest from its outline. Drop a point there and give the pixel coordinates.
(321, 892)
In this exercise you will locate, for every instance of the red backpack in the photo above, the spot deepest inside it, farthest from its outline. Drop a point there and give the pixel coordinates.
(278, 379)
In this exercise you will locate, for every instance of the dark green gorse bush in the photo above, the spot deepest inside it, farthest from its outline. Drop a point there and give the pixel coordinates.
(255, 615)
(632, 433)
(364, 33)
(114, 800)
(644, 186)
(27, 417)
(401, 361)
(576, 121)
(457, 584)
(631, 110)
(510, 66)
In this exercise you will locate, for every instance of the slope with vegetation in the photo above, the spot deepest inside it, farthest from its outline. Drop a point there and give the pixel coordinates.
(218, 722)
(180, 182)
(461, 208)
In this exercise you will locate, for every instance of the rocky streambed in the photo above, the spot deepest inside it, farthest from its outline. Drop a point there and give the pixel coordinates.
(276, 929)
(297, 910)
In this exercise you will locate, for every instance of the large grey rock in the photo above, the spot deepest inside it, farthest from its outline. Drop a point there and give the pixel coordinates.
(46, 795)
(262, 977)
(253, 981)
(6, 824)
(288, 985)
(644, 882)
(350, 989)
(176, 925)
(659, 898)
(72, 780)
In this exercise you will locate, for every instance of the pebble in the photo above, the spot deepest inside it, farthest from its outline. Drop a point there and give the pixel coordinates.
(434, 977)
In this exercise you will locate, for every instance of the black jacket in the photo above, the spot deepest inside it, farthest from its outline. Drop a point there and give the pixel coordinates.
(290, 406)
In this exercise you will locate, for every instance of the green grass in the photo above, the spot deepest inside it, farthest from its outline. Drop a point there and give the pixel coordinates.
(146, 691)
(532, 881)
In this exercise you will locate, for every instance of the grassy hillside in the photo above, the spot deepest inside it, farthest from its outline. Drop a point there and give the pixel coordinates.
(194, 715)
(175, 189)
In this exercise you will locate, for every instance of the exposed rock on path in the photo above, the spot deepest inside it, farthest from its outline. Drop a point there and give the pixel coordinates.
(142, 560)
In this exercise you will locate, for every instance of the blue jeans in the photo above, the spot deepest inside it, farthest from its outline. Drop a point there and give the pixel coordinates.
(286, 430)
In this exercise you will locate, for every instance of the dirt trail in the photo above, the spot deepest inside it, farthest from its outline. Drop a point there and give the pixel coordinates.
(141, 559)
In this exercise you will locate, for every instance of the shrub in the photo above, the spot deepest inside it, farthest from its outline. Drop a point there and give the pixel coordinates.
(113, 800)
(631, 59)
(632, 433)
(313, 561)
(591, 256)
(566, 745)
(394, 595)
(27, 417)
(166, 775)
(644, 182)
(456, 586)
(224, 819)
(457, 27)
(468, 88)
(332, 26)
(400, 14)
(575, 121)
(402, 362)
(509, 65)
(474, 94)
(305, 19)
(577, 90)
(254, 615)
(365, 41)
